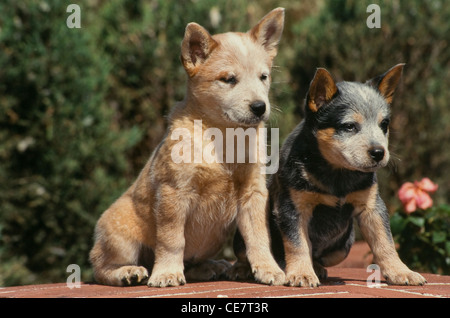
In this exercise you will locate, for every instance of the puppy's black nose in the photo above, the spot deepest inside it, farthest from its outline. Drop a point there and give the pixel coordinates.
(377, 153)
(258, 108)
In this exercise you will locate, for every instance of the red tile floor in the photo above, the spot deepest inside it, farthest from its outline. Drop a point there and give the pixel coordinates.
(347, 280)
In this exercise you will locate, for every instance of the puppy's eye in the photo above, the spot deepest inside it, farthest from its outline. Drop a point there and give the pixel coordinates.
(350, 127)
(384, 125)
(264, 77)
(232, 80)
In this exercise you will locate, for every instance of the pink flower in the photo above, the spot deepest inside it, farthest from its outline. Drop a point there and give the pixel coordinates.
(415, 195)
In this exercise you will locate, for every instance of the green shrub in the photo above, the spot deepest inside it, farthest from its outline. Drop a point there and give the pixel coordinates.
(424, 239)
(62, 156)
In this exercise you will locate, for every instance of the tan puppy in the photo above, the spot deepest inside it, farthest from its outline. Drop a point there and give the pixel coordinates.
(182, 207)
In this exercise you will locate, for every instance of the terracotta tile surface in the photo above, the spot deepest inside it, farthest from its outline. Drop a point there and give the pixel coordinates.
(343, 282)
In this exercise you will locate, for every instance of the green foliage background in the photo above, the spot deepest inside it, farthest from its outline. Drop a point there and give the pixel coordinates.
(82, 109)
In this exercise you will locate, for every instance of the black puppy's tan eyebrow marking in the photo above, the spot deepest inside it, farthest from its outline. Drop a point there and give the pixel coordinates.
(359, 118)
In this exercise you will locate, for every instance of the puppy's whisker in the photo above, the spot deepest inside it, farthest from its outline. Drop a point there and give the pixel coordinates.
(276, 108)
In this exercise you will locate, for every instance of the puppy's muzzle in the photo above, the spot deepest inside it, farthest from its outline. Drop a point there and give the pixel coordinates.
(258, 108)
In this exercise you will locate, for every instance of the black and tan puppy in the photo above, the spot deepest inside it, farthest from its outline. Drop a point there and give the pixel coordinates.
(327, 177)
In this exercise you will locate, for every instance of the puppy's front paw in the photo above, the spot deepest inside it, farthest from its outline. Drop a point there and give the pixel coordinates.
(268, 274)
(166, 279)
(302, 279)
(403, 277)
(131, 275)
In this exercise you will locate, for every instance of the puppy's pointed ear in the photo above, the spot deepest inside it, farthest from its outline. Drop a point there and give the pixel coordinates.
(387, 83)
(321, 90)
(197, 45)
(268, 31)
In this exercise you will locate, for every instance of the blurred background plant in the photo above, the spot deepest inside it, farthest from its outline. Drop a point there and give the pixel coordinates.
(82, 109)
(421, 229)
